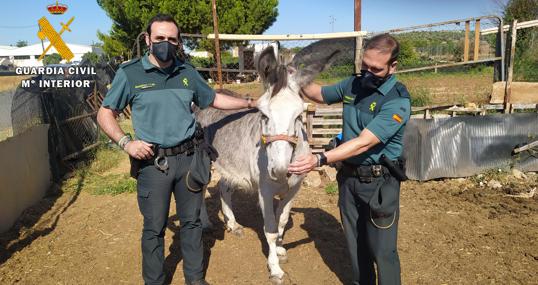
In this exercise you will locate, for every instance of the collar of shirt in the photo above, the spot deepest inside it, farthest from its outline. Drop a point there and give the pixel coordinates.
(387, 85)
(149, 66)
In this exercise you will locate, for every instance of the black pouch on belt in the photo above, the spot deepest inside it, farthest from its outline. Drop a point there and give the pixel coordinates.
(398, 171)
(383, 204)
(135, 167)
(199, 173)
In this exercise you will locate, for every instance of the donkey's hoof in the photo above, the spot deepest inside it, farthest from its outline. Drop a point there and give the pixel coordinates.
(275, 280)
(237, 231)
(280, 250)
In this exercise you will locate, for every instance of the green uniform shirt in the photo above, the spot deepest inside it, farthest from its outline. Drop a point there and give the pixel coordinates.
(384, 112)
(160, 99)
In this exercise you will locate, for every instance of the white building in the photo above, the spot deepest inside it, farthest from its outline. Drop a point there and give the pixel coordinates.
(28, 55)
(200, 53)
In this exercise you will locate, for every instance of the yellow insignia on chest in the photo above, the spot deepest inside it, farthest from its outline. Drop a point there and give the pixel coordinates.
(185, 81)
(372, 106)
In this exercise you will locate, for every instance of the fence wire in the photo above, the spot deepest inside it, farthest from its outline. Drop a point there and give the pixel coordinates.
(238, 58)
(69, 112)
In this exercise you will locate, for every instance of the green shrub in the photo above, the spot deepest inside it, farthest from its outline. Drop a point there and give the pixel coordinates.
(338, 71)
(420, 97)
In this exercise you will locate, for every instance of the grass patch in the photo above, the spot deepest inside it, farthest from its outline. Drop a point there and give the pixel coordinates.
(99, 175)
(420, 97)
(116, 184)
(331, 188)
(104, 159)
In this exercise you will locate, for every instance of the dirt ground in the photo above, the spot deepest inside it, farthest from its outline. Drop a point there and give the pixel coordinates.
(451, 232)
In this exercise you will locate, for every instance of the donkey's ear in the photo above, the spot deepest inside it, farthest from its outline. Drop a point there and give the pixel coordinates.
(307, 72)
(267, 65)
(318, 56)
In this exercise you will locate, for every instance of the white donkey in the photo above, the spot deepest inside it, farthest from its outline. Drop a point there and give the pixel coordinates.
(255, 148)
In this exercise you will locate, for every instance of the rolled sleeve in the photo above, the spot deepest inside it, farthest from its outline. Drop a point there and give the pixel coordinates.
(117, 96)
(391, 118)
(204, 95)
(335, 93)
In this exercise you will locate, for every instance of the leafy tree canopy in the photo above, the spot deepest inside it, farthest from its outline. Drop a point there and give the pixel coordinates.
(130, 17)
(52, 59)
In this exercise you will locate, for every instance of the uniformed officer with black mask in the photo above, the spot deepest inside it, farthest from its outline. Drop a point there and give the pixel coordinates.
(159, 88)
(376, 108)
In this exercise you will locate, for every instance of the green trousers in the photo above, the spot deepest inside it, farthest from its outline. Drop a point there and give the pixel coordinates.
(154, 189)
(368, 243)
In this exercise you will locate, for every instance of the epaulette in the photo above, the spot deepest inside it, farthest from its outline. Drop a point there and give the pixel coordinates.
(188, 63)
(130, 62)
(402, 90)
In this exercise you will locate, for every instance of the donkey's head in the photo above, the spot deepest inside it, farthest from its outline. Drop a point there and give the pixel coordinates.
(281, 107)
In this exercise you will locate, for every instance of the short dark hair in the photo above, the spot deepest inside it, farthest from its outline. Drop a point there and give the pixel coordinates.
(384, 43)
(162, 18)
(170, 19)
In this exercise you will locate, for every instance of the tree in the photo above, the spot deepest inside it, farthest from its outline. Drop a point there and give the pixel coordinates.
(21, 43)
(92, 57)
(52, 59)
(408, 56)
(526, 58)
(130, 17)
(522, 10)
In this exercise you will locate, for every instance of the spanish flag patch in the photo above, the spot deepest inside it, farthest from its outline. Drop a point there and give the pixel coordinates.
(397, 118)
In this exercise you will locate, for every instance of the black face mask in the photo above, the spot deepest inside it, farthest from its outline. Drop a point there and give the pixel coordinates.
(163, 51)
(371, 81)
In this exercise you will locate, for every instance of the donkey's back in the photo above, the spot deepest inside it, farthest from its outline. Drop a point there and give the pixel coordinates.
(235, 135)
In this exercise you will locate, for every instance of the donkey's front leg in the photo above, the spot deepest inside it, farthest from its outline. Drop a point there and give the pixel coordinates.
(271, 234)
(283, 214)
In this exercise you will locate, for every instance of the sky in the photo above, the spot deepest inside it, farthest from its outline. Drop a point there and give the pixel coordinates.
(19, 18)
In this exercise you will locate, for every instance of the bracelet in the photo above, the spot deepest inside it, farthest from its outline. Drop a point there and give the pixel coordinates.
(124, 140)
(318, 157)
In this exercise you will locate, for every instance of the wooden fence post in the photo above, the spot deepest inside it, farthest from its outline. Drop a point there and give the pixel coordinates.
(466, 43)
(358, 54)
(476, 39)
(507, 105)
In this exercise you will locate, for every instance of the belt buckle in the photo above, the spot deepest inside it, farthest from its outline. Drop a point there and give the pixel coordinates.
(377, 170)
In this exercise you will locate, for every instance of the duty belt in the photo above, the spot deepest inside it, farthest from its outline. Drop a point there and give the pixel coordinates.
(365, 173)
(186, 146)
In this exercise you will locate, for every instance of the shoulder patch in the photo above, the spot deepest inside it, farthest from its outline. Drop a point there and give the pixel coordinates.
(402, 90)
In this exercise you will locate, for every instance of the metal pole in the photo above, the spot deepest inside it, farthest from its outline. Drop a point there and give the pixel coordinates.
(217, 45)
(357, 15)
(358, 39)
